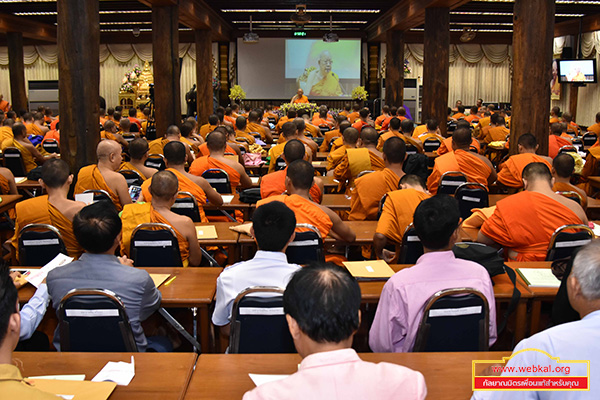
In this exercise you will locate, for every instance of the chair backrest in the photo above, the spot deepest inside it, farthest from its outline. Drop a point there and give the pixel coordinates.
(451, 126)
(156, 161)
(132, 177)
(566, 239)
(306, 247)
(471, 195)
(411, 148)
(589, 138)
(39, 244)
(578, 143)
(450, 181)
(411, 247)
(567, 148)
(94, 320)
(99, 195)
(431, 144)
(333, 139)
(51, 146)
(571, 195)
(134, 128)
(454, 320)
(381, 204)
(218, 179)
(280, 164)
(186, 204)
(13, 160)
(258, 323)
(154, 245)
(129, 138)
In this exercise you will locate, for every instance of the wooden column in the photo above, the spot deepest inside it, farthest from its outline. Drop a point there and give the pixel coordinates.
(204, 75)
(165, 60)
(394, 69)
(374, 83)
(574, 92)
(533, 34)
(224, 73)
(436, 63)
(79, 80)
(16, 69)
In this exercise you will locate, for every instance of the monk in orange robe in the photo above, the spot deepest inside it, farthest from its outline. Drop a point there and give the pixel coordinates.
(301, 127)
(340, 125)
(254, 126)
(596, 127)
(497, 132)
(213, 122)
(31, 155)
(289, 132)
(385, 113)
(273, 184)
(419, 130)
(4, 105)
(446, 146)
(524, 222)
(322, 118)
(460, 113)
(350, 140)
(53, 209)
(164, 188)
(290, 116)
(571, 126)
(364, 158)
(299, 97)
(217, 144)
(431, 130)
(397, 214)
(110, 133)
(403, 130)
(370, 188)
(477, 167)
(563, 167)
(354, 115)
(363, 120)
(240, 131)
(473, 117)
(556, 140)
(299, 180)
(510, 171)
(138, 153)
(6, 129)
(35, 124)
(554, 115)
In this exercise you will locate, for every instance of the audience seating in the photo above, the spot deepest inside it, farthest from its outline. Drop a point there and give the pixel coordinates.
(51, 146)
(450, 181)
(13, 160)
(99, 195)
(471, 195)
(154, 245)
(280, 164)
(431, 144)
(589, 138)
(218, 179)
(411, 248)
(186, 204)
(572, 195)
(306, 247)
(156, 161)
(132, 177)
(39, 244)
(566, 239)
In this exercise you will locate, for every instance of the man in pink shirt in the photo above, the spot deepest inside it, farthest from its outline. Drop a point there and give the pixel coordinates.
(404, 295)
(322, 304)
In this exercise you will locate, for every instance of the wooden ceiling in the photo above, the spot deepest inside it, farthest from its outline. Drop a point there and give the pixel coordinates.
(491, 19)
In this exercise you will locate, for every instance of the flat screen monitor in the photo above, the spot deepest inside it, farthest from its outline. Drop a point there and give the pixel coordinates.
(577, 71)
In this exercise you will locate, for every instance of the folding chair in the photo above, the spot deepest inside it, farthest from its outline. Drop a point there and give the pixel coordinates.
(411, 149)
(333, 139)
(571, 195)
(51, 146)
(471, 195)
(431, 144)
(451, 126)
(154, 245)
(280, 164)
(563, 243)
(258, 324)
(13, 160)
(186, 204)
(454, 320)
(306, 247)
(129, 138)
(132, 177)
(39, 244)
(589, 139)
(450, 181)
(94, 320)
(156, 161)
(578, 143)
(411, 248)
(567, 149)
(381, 204)
(218, 179)
(99, 195)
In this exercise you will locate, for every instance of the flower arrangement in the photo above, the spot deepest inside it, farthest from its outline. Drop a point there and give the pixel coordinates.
(407, 69)
(216, 84)
(359, 93)
(236, 93)
(130, 78)
(300, 107)
(127, 87)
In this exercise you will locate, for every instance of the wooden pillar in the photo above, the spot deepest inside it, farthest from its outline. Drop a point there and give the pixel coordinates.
(436, 63)
(374, 71)
(394, 69)
(224, 73)
(204, 75)
(165, 59)
(79, 80)
(533, 35)
(574, 92)
(16, 69)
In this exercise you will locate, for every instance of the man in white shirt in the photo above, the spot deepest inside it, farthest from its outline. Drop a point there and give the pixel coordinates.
(574, 341)
(273, 226)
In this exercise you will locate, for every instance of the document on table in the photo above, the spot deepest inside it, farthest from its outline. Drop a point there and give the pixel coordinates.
(76, 377)
(227, 198)
(539, 277)
(255, 179)
(206, 232)
(20, 179)
(373, 270)
(159, 279)
(119, 372)
(37, 277)
(260, 379)
(74, 389)
(87, 198)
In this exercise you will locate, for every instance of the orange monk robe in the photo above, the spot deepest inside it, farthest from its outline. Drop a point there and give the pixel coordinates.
(106, 135)
(229, 119)
(306, 211)
(271, 115)
(4, 186)
(136, 121)
(185, 185)
(398, 211)
(33, 129)
(446, 146)
(594, 128)
(4, 106)
(419, 130)
(555, 143)
(53, 124)
(353, 116)
(511, 170)
(38, 210)
(273, 184)
(483, 122)
(90, 178)
(524, 222)
(497, 133)
(26, 155)
(353, 163)
(311, 130)
(52, 134)
(258, 128)
(6, 133)
(368, 191)
(203, 150)
(274, 153)
(142, 213)
(318, 121)
(241, 134)
(554, 120)
(302, 99)
(459, 115)
(359, 124)
(206, 129)
(335, 156)
(282, 121)
(193, 144)
(459, 160)
(328, 136)
(573, 127)
(156, 146)
(202, 164)
(472, 118)
(344, 113)
(389, 134)
(379, 120)
(130, 166)
(337, 143)
(567, 187)
(591, 168)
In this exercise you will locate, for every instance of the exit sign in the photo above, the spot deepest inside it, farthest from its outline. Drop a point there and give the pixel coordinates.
(300, 33)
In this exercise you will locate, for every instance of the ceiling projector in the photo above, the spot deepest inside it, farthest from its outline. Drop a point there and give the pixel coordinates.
(250, 37)
(330, 37)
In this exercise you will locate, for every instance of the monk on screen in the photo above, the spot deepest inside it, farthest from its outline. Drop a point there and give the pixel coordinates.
(511, 169)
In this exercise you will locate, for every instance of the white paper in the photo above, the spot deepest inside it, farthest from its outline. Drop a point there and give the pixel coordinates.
(67, 396)
(37, 277)
(254, 179)
(119, 372)
(596, 229)
(227, 198)
(76, 377)
(260, 379)
(20, 179)
(87, 198)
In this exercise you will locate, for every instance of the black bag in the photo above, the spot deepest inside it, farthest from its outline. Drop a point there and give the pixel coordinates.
(250, 196)
(417, 164)
(489, 258)
(35, 174)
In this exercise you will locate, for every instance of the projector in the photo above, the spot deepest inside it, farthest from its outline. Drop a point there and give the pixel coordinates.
(330, 37)
(250, 37)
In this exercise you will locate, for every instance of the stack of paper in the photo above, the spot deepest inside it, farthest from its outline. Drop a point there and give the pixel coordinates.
(227, 198)
(206, 232)
(37, 276)
(369, 270)
(539, 277)
(119, 372)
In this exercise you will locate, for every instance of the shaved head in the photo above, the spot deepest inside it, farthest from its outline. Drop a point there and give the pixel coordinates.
(462, 138)
(106, 148)
(216, 141)
(173, 130)
(537, 171)
(350, 135)
(369, 135)
(164, 185)
(301, 173)
(289, 129)
(55, 173)
(414, 181)
(563, 165)
(394, 150)
(175, 153)
(528, 141)
(294, 150)
(125, 123)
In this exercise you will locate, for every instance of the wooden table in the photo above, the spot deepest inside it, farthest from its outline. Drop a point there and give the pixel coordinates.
(321, 155)
(329, 183)
(337, 202)
(364, 233)
(225, 376)
(320, 166)
(226, 237)
(9, 201)
(157, 375)
(234, 204)
(31, 188)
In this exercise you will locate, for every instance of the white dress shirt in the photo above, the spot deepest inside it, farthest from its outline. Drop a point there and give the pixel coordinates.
(33, 312)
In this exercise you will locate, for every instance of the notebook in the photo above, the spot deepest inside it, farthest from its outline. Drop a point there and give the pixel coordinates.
(539, 277)
(369, 270)
(75, 389)
(206, 232)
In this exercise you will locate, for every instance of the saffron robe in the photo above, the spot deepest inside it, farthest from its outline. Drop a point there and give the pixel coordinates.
(206, 129)
(459, 160)
(128, 165)
(398, 211)
(353, 163)
(156, 146)
(368, 191)
(446, 146)
(90, 178)
(511, 173)
(241, 134)
(6, 133)
(328, 86)
(207, 162)
(335, 156)
(203, 150)
(497, 133)
(273, 184)
(328, 136)
(555, 143)
(566, 187)
(302, 99)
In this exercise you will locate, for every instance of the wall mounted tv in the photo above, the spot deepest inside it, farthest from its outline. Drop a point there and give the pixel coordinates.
(577, 71)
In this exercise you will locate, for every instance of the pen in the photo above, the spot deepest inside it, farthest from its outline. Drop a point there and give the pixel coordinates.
(167, 283)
